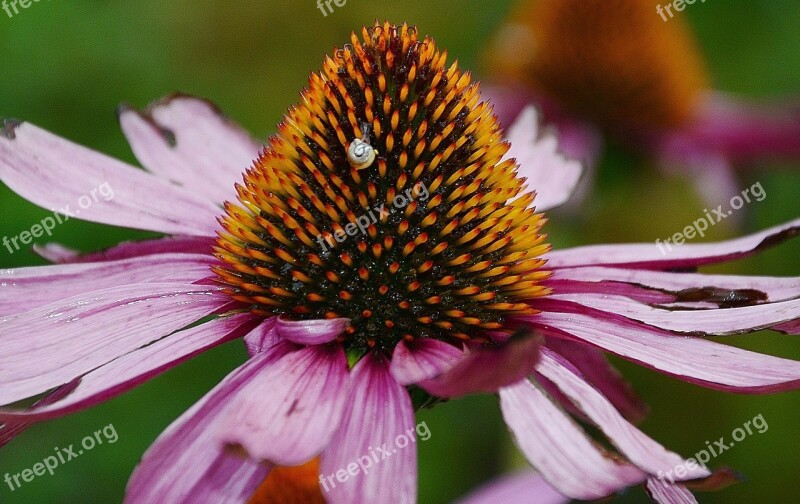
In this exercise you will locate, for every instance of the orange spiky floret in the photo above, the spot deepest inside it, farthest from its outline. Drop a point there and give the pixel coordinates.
(443, 217)
(614, 61)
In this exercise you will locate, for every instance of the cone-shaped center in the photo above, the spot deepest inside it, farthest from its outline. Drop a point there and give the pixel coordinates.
(383, 198)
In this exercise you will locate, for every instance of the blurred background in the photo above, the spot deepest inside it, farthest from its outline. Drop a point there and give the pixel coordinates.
(67, 65)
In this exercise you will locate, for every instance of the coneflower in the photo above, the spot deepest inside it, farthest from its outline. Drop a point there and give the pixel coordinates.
(615, 67)
(382, 252)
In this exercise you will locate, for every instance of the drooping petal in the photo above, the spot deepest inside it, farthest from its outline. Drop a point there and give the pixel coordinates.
(59, 175)
(719, 321)
(548, 172)
(558, 448)
(423, 359)
(640, 449)
(188, 141)
(691, 287)
(55, 343)
(486, 370)
(648, 255)
(24, 289)
(56, 253)
(378, 413)
(133, 369)
(287, 413)
(596, 369)
(311, 332)
(186, 464)
(669, 493)
(521, 488)
(689, 358)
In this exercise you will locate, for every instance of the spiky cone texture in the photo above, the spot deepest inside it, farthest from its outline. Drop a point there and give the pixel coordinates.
(448, 247)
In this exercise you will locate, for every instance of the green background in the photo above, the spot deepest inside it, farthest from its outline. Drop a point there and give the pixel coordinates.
(67, 65)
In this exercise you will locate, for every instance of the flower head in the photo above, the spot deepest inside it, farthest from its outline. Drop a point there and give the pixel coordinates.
(435, 239)
(443, 291)
(618, 68)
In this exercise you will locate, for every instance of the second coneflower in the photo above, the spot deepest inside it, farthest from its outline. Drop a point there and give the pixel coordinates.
(382, 252)
(616, 67)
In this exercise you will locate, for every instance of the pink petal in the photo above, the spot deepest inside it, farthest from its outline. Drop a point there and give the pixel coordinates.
(548, 172)
(648, 255)
(693, 359)
(56, 174)
(135, 368)
(744, 131)
(188, 141)
(718, 321)
(12, 428)
(691, 287)
(186, 464)
(668, 493)
(287, 413)
(311, 332)
(640, 449)
(262, 338)
(56, 343)
(56, 253)
(486, 370)
(596, 369)
(422, 359)
(24, 289)
(377, 418)
(521, 488)
(559, 449)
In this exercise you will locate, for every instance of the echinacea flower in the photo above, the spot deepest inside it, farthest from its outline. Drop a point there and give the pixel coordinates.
(382, 246)
(616, 68)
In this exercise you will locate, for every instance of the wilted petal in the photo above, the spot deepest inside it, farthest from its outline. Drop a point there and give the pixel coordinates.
(557, 447)
(24, 289)
(640, 449)
(648, 255)
(522, 488)
(486, 370)
(311, 332)
(55, 174)
(689, 358)
(188, 141)
(287, 413)
(669, 493)
(691, 287)
(718, 321)
(422, 359)
(548, 172)
(378, 412)
(58, 342)
(135, 368)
